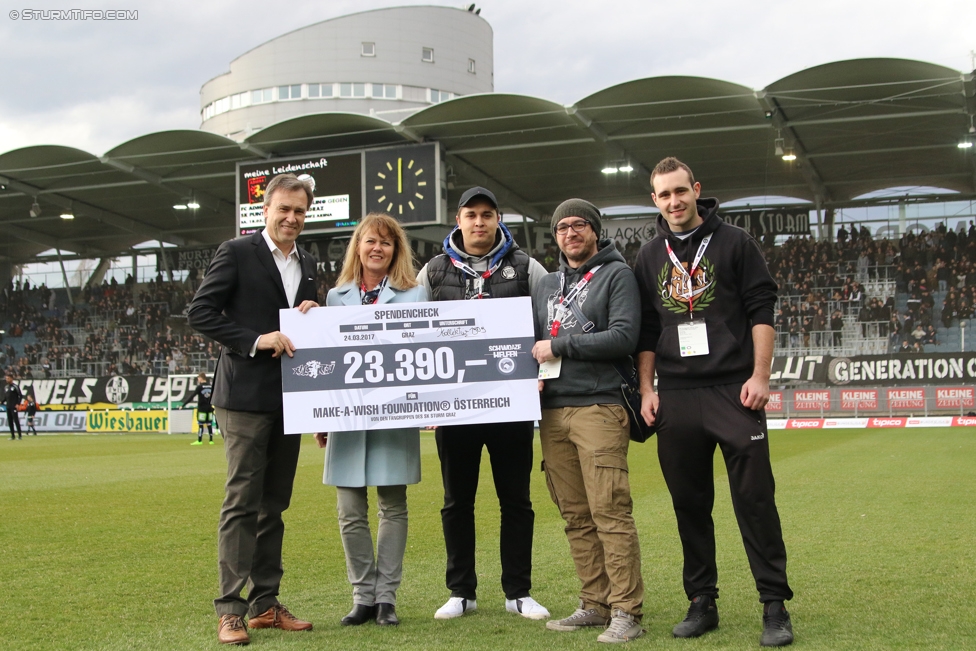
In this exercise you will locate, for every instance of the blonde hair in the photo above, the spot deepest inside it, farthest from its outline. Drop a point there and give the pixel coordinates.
(402, 273)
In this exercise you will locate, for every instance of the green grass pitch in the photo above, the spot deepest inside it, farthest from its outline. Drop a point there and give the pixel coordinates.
(109, 542)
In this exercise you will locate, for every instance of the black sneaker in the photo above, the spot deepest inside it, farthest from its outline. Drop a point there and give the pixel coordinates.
(777, 627)
(702, 617)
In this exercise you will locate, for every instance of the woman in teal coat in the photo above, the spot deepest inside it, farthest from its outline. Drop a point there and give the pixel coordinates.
(378, 268)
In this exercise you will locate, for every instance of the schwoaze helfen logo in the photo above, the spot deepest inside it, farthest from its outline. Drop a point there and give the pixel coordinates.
(675, 292)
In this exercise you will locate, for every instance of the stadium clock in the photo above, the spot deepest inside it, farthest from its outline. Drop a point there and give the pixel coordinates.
(403, 182)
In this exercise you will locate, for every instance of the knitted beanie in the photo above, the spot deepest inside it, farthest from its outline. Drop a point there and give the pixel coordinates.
(577, 208)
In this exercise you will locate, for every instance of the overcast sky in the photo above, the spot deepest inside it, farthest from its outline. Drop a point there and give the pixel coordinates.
(94, 85)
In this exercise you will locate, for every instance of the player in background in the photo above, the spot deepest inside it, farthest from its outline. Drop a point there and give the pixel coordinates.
(31, 411)
(202, 394)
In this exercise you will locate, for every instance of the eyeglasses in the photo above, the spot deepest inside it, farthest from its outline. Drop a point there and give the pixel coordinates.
(578, 227)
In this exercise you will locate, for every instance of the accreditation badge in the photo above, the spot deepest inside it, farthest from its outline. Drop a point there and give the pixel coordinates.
(692, 339)
(550, 370)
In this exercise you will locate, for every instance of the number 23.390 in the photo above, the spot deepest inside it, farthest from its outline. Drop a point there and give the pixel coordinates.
(424, 364)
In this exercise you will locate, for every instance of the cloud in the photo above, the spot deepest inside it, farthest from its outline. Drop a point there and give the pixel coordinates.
(94, 85)
(98, 125)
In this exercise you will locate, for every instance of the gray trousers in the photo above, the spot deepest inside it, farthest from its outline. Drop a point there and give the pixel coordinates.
(261, 463)
(374, 580)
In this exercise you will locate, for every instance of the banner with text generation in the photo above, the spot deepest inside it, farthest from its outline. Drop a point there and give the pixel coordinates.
(409, 365)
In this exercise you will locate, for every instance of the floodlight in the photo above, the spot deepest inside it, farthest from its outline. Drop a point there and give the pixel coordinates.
(180, 206)
(625, 168)
(789, 155)
(965, 144)
(192, 205)
(609, 170)
(67, 214)
(779, 144)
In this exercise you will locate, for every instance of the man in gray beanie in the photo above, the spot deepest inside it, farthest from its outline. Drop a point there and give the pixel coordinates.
(578, 208)
(587, 318)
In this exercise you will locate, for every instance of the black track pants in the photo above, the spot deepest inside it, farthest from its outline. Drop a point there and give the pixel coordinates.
(510, 449)
(690, 423)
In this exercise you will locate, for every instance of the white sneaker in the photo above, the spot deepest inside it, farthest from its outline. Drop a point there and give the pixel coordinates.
(623, 628)
(455, 607)
(527, 607)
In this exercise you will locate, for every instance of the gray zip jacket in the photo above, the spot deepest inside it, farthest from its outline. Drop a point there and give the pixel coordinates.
(612, 302)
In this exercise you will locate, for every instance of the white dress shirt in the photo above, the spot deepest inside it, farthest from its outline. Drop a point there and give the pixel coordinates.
(290, 268)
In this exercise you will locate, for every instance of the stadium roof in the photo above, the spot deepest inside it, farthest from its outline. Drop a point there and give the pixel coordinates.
(855, 126)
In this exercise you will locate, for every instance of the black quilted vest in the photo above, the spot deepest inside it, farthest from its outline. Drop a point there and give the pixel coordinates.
(448, 283)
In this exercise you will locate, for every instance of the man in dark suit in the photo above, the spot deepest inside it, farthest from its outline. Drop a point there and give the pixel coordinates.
(248, 281)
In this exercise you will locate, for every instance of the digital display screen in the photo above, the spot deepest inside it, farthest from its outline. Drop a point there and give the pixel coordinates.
(337, 185)
(403, 181)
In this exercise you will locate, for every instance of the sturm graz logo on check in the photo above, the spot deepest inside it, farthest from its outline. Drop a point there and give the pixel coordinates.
(313, 369)
(506, 365)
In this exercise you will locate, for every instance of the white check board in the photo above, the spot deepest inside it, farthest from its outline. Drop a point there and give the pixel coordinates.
(409, 365)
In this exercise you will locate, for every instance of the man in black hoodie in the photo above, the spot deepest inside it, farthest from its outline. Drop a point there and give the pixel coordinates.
(707, 329)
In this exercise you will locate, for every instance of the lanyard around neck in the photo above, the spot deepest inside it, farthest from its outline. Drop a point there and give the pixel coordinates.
(566, 300)
(687, 291)
(480, 276)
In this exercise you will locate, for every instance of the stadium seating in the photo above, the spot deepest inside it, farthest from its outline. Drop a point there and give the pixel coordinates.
(855, 295)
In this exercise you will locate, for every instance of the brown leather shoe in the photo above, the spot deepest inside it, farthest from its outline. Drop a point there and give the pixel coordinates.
(278, 617)
(232, 630)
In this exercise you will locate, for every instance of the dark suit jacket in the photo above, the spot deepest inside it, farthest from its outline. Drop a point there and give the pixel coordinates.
(237, 302)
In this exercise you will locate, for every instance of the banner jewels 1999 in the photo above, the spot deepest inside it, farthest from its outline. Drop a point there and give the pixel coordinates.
(409, 365)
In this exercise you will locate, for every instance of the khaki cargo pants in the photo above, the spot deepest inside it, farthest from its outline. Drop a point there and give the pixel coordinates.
(584, 452)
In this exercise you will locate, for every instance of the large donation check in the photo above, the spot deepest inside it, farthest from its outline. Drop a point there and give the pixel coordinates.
(409, 364)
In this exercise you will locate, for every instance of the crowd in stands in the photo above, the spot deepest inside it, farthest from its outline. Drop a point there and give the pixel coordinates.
(130, 329)
(818, 278)
(111, 329)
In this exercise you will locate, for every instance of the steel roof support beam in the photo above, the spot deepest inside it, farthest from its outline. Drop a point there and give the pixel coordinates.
(28, 235)
(120, 184)
(505, 195)
(407, 132)
(204, 199)
(615, 151)
(807, 168)
(880, 150)
(253, 149)
(125, 223)
(969, 97)
(863, 118)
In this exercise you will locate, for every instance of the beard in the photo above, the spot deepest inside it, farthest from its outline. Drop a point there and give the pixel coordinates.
(581, 255)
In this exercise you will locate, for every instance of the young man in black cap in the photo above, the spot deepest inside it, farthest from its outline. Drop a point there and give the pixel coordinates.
(707, 329)
(481, 260)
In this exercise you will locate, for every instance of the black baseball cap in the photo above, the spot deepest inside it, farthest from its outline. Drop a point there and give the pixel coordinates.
(474, 193)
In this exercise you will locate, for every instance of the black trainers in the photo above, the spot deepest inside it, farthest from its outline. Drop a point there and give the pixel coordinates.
(777, 627)
(702, 617)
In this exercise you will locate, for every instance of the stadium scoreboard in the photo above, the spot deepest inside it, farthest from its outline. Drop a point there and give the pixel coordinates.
(402, 181)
